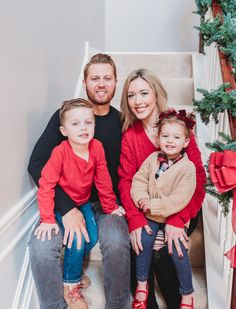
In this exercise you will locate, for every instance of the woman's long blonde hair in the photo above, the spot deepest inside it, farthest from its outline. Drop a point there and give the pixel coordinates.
(154, 82)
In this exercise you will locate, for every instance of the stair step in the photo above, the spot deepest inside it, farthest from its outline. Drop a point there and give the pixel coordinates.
(199, 284)
(197, 257)
(196, 248)
(180, 91)
(94, 295)
(188, 108)
(165, 65)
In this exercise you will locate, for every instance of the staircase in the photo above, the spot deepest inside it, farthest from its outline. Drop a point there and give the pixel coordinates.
(176, 73)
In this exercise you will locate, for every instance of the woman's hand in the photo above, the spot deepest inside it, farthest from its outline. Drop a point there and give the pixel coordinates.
(175, 234)
(45, 229)
(135, 237)
(144, 204)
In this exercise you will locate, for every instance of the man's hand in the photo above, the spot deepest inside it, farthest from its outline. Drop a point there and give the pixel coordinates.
(119, 211)
(74, 222)
(144, 204)
(175, 234)
(45, 229)
(135, 238)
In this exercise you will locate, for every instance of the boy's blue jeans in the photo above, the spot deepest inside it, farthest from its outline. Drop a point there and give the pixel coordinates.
(73, 257)
(182, 265)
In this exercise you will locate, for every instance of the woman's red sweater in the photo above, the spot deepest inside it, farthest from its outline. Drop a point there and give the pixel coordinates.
(135, 148)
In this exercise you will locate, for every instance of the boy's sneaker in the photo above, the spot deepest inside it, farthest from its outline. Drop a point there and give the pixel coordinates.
(73, 297)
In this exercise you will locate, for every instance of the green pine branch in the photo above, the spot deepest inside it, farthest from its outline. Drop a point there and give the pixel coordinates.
(223, 198)
(228, 6)
(224, 34)
(226, 143)
(215, 102)
(202, 7)
(230, 53)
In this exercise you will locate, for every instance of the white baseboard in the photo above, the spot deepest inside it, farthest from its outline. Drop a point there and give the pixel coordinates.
(25, 286)
(16, 212)
(15, 230)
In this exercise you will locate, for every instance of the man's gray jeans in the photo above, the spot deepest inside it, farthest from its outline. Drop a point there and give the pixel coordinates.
(45, 259)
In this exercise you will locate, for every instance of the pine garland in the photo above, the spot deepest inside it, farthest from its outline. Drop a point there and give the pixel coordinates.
(215, 102)
(230, 53)
(224, 34)
(225, 198)
(227, 143)
(228, 6)
(202, 7)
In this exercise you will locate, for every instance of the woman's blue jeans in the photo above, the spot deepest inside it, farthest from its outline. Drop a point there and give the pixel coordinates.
(182, 265)
(73, 257)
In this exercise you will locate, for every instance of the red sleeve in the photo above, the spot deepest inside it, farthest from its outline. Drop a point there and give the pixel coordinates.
(50, 176)
(126, 171)
(195, 204)
(103, 182)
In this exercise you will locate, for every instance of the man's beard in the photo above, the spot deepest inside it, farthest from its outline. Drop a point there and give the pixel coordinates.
(93, 100)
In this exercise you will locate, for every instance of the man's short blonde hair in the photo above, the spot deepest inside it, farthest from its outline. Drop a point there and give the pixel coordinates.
(98, 59)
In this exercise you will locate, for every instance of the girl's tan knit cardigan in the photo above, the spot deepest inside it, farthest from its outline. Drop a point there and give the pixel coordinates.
(169, 193)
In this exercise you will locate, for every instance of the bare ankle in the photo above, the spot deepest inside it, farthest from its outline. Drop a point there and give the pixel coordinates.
(141, 285)
(141, 290)
(187, 300)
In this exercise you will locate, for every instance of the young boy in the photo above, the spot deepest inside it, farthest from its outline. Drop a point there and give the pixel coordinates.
(163, 186)
(75, 165)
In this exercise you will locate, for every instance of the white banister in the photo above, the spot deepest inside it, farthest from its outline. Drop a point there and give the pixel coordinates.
(218, 232)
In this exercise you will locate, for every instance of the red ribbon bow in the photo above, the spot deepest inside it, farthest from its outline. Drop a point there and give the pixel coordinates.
(189, 122)
(222, 169)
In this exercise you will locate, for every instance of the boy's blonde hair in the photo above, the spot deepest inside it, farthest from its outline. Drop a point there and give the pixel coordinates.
(154, 82)
(72, 104)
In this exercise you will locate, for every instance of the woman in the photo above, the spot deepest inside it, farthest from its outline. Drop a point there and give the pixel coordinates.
(143, 98)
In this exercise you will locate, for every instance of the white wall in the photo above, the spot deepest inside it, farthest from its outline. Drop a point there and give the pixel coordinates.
(151, 25)
(42, 49)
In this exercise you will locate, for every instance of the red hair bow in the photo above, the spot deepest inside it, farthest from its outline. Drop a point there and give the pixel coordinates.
(182, 115)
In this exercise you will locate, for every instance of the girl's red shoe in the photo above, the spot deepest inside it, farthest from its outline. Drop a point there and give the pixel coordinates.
(137, 304)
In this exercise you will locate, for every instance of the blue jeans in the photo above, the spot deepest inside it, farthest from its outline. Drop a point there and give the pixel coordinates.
(182, 265)
(45, 259)
(73, 257)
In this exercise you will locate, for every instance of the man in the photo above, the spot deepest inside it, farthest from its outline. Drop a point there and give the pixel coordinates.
(100, 84)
